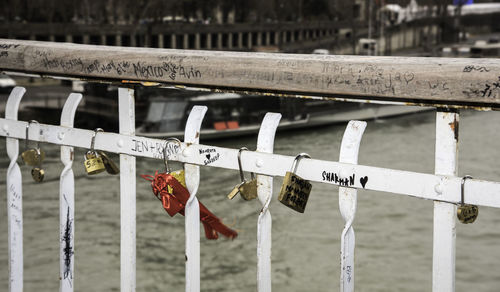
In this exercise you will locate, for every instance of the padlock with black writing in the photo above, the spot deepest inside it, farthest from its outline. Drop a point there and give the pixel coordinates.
(93, 162)
(32, 156)
(466, 213)
(295, 190)
(247, 189)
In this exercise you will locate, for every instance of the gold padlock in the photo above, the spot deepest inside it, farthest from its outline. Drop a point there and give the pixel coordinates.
(295, 190)
(33, 156)
(110, 166)
(37, 174)
(93, 163)
(247, 189)
(466, 213)
(177, 174)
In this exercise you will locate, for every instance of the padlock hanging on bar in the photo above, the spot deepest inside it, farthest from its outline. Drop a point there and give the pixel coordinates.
(109, 165)
(93, 162)
(466, 213)
(179, 175)
(295, 190)
(247, 189)
(33, 156)
(38, 173)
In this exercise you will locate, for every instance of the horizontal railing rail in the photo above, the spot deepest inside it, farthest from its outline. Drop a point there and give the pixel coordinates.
(421, 185)
(409, 80)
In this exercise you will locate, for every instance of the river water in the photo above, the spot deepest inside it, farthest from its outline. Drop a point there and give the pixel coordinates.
(393, 232)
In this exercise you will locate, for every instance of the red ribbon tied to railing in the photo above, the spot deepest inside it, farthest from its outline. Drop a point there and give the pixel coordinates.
(175, 200)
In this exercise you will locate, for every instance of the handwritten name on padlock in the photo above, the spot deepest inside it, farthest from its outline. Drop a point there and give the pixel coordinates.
(295, 192)
(467, 213)
(93, 163)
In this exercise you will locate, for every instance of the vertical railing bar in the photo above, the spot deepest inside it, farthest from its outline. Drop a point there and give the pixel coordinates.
(14, 197)
(126, 111)
(67, 200)
(348, 202)
(443, 263)
(192, 209)
(265, 143)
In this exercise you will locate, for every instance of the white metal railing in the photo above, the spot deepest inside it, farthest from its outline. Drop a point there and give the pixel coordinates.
(448, 83)
(442, 187)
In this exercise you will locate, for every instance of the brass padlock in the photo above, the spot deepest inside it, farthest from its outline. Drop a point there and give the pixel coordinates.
(110, 166)
(93, 163)
(37, 174)
(295, 190)
(33, 156)
(466, 213)
(177, 174)
(247, 189)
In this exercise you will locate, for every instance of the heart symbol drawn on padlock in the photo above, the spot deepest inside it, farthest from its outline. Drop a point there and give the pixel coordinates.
(208, 156)
(363, 181)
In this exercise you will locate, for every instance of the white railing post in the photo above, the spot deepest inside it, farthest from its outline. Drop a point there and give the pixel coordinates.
(265, 143)
(127, 194)
(67, 200)
(348, 202)
(192, 209)
(14, 197)
(443, 258)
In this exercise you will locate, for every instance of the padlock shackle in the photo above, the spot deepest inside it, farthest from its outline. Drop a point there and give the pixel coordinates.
(242, 176)
(92, 142)
(165, 156)
(27, 134)
(295, 163)
(39, 153)
(463, 187)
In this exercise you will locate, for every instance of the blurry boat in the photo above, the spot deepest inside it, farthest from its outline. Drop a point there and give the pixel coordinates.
(490, 49)
(231, 114)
